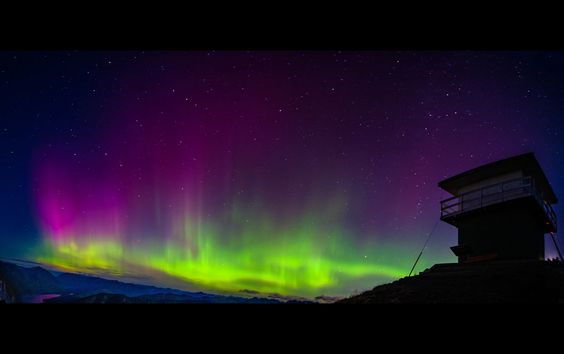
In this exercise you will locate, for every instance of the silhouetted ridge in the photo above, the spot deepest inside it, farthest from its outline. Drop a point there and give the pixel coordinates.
(486, 282)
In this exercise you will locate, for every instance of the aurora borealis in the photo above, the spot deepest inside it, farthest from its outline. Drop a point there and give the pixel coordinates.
(295, 173)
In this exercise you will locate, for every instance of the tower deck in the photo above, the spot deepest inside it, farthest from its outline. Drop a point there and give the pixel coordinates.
(455, 207)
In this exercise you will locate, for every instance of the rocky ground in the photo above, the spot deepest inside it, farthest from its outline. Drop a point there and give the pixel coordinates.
(491, 282)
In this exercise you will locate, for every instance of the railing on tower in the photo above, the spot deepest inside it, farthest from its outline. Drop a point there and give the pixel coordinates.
(496, 193)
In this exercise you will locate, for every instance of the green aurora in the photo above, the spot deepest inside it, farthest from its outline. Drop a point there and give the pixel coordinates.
(307, 258)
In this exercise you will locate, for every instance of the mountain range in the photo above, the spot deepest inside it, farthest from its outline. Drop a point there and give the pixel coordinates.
(27, 283)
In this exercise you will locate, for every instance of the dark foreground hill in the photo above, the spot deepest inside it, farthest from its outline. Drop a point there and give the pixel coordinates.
(492, 282)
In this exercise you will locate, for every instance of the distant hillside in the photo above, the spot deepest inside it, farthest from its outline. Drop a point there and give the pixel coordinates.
(78, 288)
(24, 280)
(196, 298)
(36, 280)
(90, 285)
(493, 282)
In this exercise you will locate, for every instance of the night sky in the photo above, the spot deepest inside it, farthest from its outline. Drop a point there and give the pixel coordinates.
(296, 173)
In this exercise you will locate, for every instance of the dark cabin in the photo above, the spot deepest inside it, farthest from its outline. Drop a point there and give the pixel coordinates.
(502, 210)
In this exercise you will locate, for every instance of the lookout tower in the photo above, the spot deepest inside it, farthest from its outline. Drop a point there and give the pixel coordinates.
(502, 210)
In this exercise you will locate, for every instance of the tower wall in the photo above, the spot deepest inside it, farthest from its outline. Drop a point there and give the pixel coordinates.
(511, 230)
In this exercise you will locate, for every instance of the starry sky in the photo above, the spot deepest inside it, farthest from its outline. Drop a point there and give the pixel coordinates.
(294, 173)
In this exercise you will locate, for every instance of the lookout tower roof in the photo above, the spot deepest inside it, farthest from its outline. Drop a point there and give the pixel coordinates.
(526, 163)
